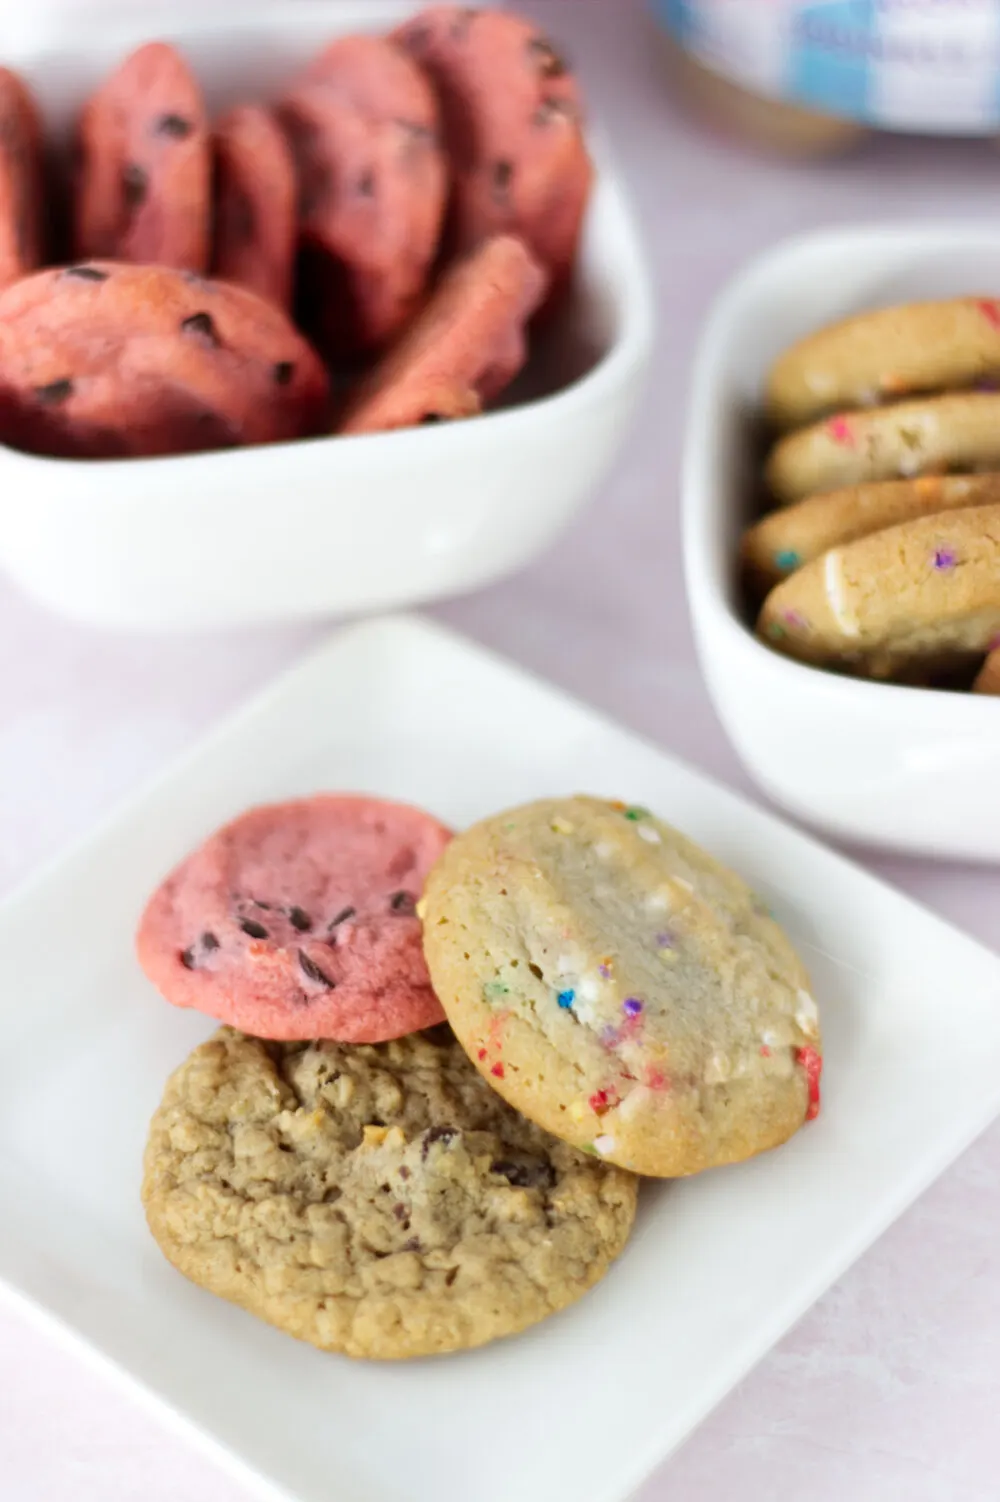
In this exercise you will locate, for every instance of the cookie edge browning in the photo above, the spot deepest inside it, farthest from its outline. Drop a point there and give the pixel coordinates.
(472, 1022)
(157, 1187)
(988, 677)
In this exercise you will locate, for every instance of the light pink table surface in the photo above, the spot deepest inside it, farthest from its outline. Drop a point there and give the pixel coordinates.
(889, 1390)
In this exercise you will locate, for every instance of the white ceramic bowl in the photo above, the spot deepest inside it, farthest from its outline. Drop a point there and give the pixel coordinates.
(896, 767)
(329, 524)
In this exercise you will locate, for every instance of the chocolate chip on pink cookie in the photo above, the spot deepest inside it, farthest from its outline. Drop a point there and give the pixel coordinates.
(988, 677)
(298, 920)
(464, 349)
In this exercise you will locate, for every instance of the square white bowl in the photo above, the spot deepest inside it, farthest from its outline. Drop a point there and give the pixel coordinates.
(586, 1404)
(904, 768)
(323, 525)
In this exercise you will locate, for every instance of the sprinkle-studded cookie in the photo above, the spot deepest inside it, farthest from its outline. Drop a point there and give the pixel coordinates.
(298, 920)
(105, 360)
(884, 355)
(911, 601)
(363, 125)
(144, 179)
(786, 539)
(255, 204)
(621, 988)
(466, 346)
(382, 1202)
(512, 112)
(931, 436)
(22, 225)
(988, 677)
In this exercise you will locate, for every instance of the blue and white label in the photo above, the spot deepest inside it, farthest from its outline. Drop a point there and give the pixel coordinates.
(917, 65)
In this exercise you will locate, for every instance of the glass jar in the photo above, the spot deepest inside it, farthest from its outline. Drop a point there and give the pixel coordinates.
(814, 76)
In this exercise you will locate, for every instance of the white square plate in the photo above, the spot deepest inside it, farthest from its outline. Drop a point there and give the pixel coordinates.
(585, 1405)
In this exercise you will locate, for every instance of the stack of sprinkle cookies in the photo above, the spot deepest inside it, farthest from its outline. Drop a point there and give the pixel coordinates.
(883, 557)
(447, 1061)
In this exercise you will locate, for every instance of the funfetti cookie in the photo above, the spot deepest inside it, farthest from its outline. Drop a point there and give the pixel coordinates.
(885, 355)
(298, 920)
(930, 436)
(785, 540)
(143, 190)
(464, 349)
(383, 1202)
(621, 988)
(915, 600)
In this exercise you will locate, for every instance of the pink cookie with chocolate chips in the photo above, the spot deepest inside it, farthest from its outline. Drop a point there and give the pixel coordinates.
(255, 204)
(363, 126)
(468, 344)
(143, 192)
(298, 921)
(513, 115)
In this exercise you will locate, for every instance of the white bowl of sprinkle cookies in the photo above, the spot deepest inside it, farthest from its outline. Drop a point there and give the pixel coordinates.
(842, 531)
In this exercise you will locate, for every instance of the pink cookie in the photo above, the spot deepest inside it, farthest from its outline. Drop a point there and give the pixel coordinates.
(512, 113)
(298, 921)
(464, 348)
(363, 127)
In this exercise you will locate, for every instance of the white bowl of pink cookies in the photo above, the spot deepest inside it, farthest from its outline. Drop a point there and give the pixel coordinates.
(842, 531)
(279, 343)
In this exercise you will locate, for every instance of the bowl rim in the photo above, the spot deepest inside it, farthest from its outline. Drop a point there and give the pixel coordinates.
(701, 508)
